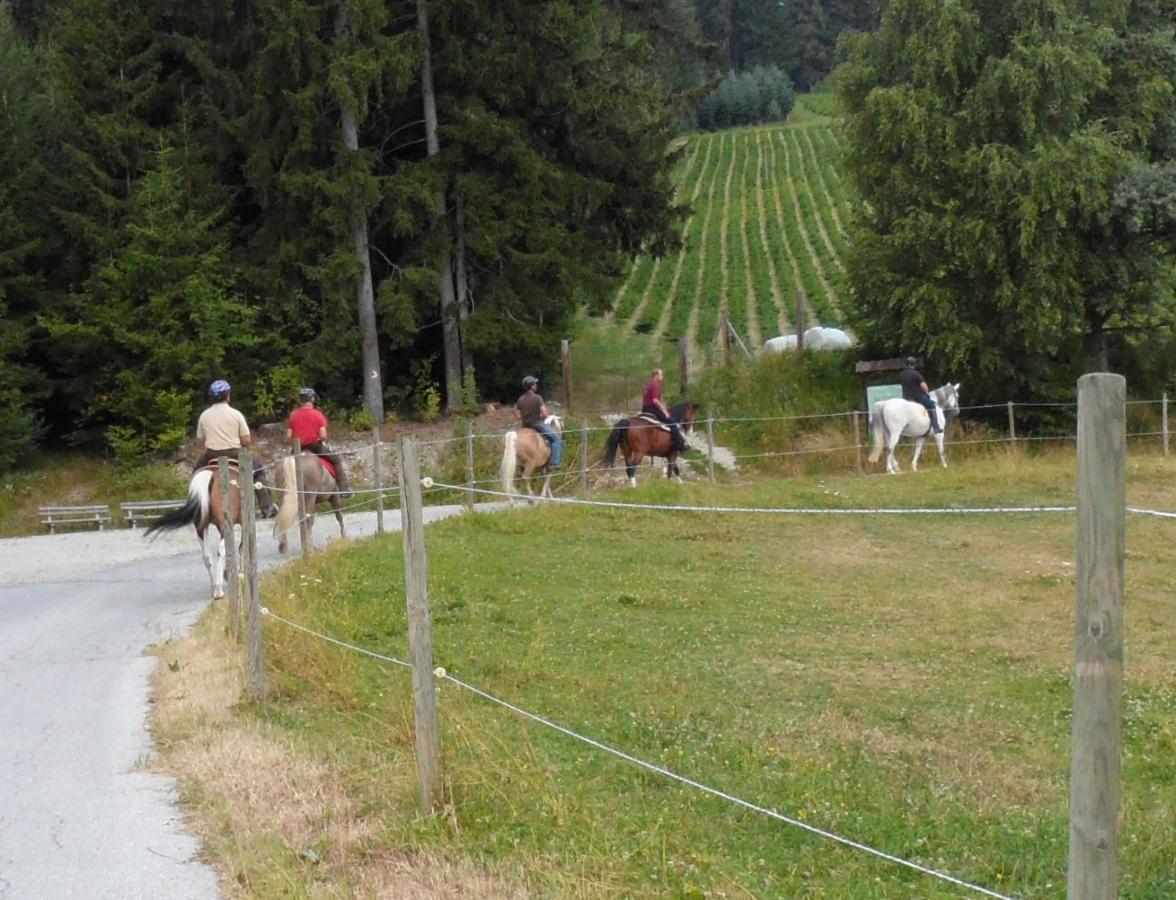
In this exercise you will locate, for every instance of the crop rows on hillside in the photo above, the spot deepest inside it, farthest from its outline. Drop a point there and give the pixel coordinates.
(769, 215)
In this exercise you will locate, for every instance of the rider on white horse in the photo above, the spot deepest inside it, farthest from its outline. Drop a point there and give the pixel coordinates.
(914, 388)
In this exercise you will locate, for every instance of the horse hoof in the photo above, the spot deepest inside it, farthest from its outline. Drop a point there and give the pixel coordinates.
(633, 482)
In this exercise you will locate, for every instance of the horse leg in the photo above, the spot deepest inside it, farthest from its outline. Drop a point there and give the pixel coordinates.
(891, 460)
(546, 492)
(337, 505)
(939, 446)
(631, 470)
(918, 450)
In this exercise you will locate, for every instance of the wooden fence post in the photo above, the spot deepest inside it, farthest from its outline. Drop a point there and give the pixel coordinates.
(420, 639)
(710, 447)
(1164, 422)
(229, 536)
(566, 362)
(256, 659)
(1098, 646)
(469, 497)
(584, 457)
(1012, 424)
(857, 440)
(378, 478)
(683, 365)
(300, 486)
(248, 560)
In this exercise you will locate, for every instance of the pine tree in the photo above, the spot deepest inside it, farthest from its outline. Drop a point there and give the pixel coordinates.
(990, 143)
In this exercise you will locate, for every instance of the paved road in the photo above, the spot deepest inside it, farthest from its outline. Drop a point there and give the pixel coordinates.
(77, 612)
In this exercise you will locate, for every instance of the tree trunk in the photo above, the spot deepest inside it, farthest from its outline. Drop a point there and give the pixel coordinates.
(373, 384)
(450, 337)
(463, 293)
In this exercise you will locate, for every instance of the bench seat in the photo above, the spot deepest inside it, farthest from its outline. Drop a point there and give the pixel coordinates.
(95, 514)
(138, 512)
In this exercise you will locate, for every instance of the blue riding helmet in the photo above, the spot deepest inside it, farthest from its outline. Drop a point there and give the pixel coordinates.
(306, 393)
(219, 388)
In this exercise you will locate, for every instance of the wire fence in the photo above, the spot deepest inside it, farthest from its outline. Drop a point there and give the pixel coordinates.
(441, 463)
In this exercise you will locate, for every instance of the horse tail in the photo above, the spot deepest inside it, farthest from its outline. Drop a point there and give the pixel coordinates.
(193, 512)
(510, 460)
(618, 434)
(287, 483)
(879, 429)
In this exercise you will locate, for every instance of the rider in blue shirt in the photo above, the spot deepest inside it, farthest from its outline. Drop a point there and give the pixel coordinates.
(915, 389)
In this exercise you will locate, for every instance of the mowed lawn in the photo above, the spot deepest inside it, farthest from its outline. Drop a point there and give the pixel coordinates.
(902, 681)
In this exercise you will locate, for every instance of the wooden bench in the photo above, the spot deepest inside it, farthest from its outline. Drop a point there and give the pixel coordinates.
(52, 516)
(139, 512)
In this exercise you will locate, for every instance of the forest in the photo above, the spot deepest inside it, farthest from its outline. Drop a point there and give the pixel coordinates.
(408, 203)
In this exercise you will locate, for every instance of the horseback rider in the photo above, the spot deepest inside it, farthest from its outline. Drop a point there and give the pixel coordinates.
(653, 405)
(221, 429)
(532, 411)
(914, 388)
(309, 425)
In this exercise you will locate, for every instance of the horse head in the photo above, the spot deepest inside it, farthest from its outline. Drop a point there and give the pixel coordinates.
(555, 422)
(948, 398)
(263, 492)
(684, 413)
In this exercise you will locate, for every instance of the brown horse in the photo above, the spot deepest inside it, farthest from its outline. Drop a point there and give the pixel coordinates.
(318, 484)
(204, 508)
(528, 448)
(640, 437)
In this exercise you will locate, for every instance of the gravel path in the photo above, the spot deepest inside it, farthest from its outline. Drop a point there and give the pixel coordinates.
(77, 612)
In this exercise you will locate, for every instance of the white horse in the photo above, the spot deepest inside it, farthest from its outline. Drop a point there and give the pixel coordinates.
(897, 417)
(530, 448)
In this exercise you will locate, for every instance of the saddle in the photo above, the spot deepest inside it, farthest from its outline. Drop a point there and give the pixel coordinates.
(647, 419)
(328, 465)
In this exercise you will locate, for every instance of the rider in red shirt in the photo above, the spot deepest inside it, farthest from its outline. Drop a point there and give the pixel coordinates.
(653, 405)
(310, 427)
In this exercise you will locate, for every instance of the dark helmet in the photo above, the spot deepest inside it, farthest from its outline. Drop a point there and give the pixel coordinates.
(219, 388)
(910, 361)
(306, 393)
(530, 380)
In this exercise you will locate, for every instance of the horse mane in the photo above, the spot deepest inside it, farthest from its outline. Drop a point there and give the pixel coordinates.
(678, 410)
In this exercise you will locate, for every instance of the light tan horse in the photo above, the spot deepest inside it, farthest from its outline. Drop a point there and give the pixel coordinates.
(529, 449)
(318, 484)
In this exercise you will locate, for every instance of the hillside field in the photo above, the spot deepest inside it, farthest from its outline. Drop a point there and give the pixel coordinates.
(769, 210)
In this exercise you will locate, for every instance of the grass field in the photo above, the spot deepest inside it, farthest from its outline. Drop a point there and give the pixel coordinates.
(903, 681)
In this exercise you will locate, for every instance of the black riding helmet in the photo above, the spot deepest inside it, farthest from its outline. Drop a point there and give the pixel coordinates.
(530, 380)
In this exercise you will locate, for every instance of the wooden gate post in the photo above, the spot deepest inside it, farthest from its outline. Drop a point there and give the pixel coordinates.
(857, 440)
(1164, 422)
(256, 659)
(420, 637)
(1012, 424)
(229, 536)
(566, 362)
(469, 496)
(300, 486)
(1096, 741)
(378, 478)
(710, 447)
(584, 457)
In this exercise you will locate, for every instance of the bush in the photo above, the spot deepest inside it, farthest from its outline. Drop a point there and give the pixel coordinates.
(762, 94)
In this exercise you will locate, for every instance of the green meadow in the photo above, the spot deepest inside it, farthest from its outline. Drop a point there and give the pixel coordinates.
(902, 681)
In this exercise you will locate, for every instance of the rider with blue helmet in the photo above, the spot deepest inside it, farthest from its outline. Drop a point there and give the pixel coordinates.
(221, 429)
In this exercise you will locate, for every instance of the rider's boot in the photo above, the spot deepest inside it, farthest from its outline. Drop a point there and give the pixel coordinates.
(345, 492)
